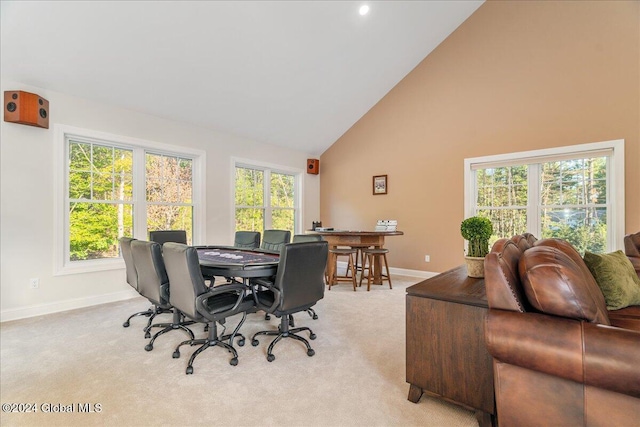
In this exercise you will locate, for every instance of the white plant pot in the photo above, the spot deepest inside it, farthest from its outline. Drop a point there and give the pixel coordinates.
(475, 266)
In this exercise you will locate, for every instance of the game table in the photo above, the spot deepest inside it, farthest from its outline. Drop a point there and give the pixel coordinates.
(227, 261)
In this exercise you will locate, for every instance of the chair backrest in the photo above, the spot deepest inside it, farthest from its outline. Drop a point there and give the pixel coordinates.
(301, 238)
(273, 240)
(125, 250)
(153, 282)
(300, 276)
(187, 283)
(247, 239)
(164, 236)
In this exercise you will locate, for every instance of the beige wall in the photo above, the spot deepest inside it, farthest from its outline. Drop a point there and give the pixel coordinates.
(515, 76)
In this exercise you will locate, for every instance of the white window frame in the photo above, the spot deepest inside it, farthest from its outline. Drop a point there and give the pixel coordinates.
(62, 262)
(614, 150)
(268, 168)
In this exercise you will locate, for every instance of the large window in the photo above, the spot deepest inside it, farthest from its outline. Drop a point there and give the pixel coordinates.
(265, 198)
(573, 193)
(169, 193)
(100, 202)
(114, 186)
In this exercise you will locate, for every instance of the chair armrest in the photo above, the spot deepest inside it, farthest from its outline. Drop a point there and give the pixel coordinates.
(596, 355)
(266, 283)
(201, 300)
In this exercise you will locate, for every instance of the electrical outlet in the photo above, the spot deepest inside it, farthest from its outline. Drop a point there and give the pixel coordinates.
(34, 283)
(427, 258)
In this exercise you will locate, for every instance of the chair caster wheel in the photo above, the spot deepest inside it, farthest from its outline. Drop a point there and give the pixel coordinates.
(189, 370)
(270, 357)
(315, 317)
(176, 354)
(267, 317)
(148, 347)
(233, 361)
(147, 335)
(125, 325)
(255, 342)
(310, 352)
(241, 342)
(312, 336)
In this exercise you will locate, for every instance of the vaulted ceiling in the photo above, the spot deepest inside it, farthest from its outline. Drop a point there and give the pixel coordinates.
(291, 73)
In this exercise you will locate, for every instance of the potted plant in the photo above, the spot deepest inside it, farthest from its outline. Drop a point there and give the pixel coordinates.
(476, 230)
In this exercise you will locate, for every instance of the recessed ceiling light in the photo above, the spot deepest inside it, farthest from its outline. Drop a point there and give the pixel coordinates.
(364, 9)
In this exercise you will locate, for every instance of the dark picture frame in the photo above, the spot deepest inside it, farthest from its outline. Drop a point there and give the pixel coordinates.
(379, 184)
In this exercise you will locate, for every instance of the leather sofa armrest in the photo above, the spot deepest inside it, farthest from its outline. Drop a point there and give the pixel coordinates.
(635, 261)
(596, 355)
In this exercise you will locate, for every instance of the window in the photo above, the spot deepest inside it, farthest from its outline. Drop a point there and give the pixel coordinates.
(114, 186)
(100, 199)
(574, 193)
(169, 193)
(266, 198)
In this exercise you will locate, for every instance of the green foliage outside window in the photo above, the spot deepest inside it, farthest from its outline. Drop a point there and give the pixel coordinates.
(572, 204)
(101, 195)
(250, 200)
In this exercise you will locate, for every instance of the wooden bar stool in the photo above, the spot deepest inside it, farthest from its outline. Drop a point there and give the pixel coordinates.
(371, 257)
(350, 254)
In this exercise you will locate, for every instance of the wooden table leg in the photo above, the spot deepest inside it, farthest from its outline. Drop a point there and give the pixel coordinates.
(415, 393)
(331, 267)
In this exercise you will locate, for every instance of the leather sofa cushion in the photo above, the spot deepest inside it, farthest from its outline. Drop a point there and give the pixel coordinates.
(556, 284)
(502, 280)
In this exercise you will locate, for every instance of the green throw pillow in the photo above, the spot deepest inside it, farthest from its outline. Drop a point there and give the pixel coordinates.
(616, 278)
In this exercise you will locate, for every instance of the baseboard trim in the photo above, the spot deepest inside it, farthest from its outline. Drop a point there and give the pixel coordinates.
(56, 307)
(72, 304)
(401, 271)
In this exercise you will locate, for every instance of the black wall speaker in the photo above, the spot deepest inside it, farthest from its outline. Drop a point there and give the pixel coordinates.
(26, 108)
(313, 166)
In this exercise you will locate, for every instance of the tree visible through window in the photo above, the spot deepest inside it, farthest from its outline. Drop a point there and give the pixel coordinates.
(264, 199)
(566, 197)
(100, 199)
(102, 194)
(573, 202)
(169, 190)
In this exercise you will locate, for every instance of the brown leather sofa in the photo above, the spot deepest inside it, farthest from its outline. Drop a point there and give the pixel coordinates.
(632, 250)
(560, 358)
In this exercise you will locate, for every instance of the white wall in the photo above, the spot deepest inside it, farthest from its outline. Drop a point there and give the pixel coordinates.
(27, 201)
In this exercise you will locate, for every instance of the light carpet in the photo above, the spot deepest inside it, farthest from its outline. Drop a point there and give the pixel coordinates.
(85, 356)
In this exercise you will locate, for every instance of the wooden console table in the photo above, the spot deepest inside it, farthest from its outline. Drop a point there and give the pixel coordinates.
(446, 354)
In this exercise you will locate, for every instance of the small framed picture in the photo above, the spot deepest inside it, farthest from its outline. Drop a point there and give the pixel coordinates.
(380, 184)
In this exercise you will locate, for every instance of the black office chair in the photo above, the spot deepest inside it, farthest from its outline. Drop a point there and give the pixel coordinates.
(164, 236)
(247, 240)
(273, 240)
(299, 284)
(132, 280)
(213, 305)
(302, 238)
(153, 284)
